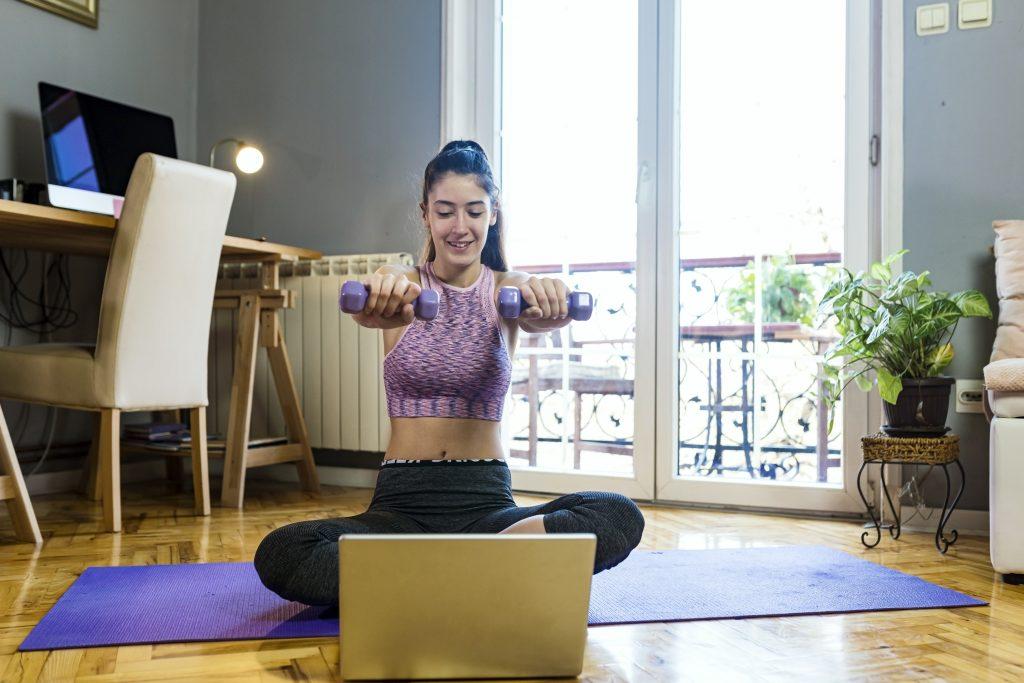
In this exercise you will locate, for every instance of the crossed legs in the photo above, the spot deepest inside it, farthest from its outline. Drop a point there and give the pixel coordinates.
(300, 561)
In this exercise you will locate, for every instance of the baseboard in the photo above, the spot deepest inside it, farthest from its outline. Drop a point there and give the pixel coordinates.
(63, 481)
(973, 522)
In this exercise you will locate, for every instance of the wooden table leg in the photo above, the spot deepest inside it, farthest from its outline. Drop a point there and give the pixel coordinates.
(14, 492)
(296, 424)
(240, 409)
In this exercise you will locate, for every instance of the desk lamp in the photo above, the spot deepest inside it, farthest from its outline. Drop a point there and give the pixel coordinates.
(248, 159)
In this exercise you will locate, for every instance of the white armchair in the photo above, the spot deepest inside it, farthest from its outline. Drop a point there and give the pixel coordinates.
(1004, 383)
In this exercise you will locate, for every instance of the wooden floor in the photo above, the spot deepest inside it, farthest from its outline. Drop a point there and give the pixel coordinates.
(985, 643)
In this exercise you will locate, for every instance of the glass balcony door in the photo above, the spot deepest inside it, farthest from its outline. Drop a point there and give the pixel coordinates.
(702, 177)
(577, 95)
(772, 188)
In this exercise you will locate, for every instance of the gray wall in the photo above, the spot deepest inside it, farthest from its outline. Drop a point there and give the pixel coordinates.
(343, 98)
(963, 133)
(143, 53)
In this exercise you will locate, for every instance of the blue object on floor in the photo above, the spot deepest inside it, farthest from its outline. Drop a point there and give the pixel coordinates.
(226, 601)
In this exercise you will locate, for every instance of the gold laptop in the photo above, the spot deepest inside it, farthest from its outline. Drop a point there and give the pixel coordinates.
(429, 606)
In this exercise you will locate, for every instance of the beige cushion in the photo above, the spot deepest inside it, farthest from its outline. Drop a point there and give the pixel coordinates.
(154, 325)
(1005, 375)
(1009, 251)
(59, 374)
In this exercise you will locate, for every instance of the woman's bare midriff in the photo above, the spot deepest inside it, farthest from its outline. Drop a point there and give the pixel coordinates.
(444, 438)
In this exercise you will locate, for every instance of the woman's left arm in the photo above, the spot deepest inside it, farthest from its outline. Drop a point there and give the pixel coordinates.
(547, 298)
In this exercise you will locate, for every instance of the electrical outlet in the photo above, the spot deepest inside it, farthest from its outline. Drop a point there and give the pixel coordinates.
(969, 394)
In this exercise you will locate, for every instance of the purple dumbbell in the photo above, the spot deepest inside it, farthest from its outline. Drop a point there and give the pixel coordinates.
(354, 295)
(511, 304)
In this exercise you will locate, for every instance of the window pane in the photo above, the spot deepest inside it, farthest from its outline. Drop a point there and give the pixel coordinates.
(763, 134)
(569, 149)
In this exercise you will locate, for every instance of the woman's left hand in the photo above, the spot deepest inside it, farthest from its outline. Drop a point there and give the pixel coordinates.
(547, 298)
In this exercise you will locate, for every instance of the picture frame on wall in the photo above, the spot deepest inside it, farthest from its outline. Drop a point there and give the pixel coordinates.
(83, 11)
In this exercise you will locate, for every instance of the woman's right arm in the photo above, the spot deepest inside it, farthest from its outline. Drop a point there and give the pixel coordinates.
(392, 291)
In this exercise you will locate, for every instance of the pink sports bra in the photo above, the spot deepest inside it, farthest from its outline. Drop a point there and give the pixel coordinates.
(456, 365)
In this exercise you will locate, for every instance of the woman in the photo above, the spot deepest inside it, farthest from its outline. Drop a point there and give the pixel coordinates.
(446, 379)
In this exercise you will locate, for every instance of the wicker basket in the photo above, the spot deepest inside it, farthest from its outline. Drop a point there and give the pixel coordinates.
(937, 450)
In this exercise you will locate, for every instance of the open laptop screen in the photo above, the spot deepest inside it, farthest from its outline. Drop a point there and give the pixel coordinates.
(91, 145)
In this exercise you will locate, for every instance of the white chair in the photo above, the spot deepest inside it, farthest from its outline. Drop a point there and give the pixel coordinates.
(154, 324)
(1004, 381)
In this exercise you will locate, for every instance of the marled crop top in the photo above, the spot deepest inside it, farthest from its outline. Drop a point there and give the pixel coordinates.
(456, 365)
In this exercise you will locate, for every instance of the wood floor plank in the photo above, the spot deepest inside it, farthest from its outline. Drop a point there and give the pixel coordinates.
(983, 644)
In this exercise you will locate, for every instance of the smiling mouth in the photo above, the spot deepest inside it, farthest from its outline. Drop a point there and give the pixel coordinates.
(459, 246)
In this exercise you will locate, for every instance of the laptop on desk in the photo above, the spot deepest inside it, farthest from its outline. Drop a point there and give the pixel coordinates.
(91, 145)
(430, 606)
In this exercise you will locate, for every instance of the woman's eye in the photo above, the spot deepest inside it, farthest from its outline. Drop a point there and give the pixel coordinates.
(444, 215)
(476, 215)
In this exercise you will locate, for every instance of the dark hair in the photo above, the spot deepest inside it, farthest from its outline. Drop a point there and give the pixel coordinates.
(466, 157)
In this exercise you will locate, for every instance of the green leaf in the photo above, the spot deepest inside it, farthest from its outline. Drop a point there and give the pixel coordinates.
(973, 304)
(891, 258)
(889, 385)
(881, 327)
(939, 316)
(881, 272)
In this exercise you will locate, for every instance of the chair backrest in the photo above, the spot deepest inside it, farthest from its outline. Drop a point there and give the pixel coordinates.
(154, 325)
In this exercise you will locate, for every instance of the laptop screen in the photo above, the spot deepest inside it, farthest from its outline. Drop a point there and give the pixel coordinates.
(92, 144)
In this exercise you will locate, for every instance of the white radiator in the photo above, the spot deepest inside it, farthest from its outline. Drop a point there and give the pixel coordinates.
(335, 362)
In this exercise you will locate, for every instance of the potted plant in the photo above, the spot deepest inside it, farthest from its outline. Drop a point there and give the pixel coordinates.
(896, 332)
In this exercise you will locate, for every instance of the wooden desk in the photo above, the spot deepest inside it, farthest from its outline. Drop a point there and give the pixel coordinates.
(44, 228)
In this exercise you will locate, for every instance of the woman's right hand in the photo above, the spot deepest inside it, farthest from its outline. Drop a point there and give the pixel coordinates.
(389, 301)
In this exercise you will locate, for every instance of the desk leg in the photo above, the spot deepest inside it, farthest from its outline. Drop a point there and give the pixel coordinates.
(281, 368)
(14, 492)
(240, 411)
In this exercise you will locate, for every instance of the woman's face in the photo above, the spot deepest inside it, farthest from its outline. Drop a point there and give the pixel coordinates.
(458, 215)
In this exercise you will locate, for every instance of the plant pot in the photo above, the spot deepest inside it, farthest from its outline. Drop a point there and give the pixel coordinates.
(920, 409)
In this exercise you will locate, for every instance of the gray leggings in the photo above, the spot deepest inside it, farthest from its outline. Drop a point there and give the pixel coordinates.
(300, 561)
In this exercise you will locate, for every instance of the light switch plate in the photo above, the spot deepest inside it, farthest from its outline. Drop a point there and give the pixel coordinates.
(974, 14)
(969, 395)
(933, 19)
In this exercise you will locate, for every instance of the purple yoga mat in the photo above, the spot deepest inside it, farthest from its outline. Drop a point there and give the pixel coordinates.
(203, 602)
